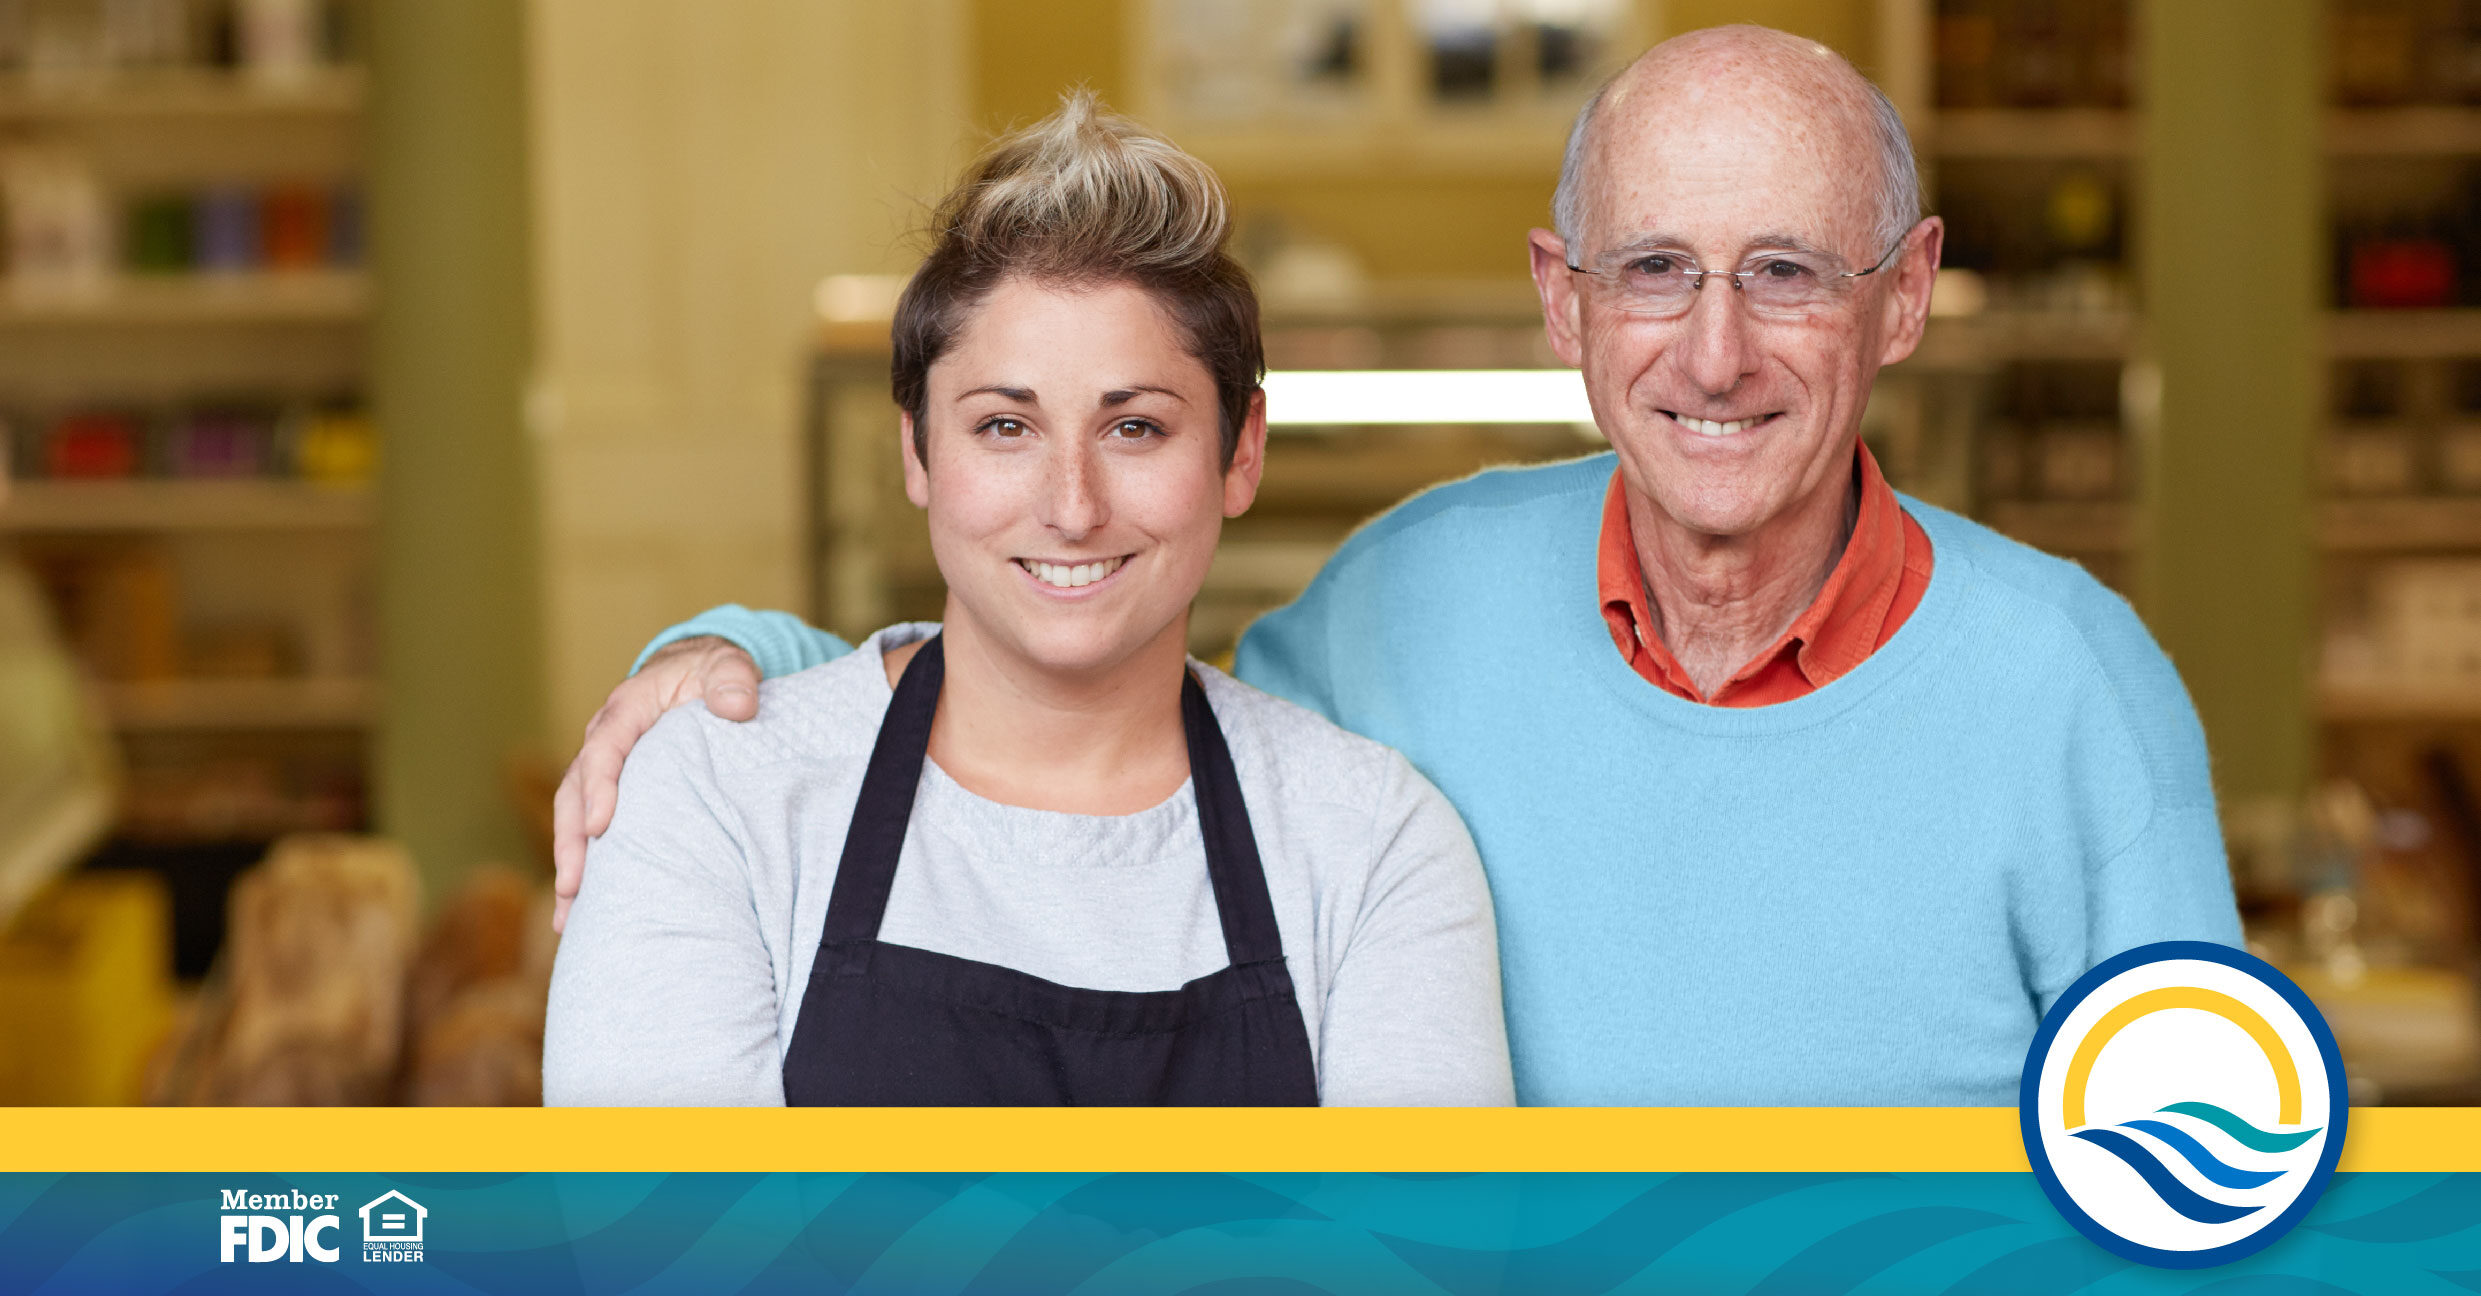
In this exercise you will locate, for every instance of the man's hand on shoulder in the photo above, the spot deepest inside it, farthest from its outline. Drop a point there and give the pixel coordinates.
(704, 667)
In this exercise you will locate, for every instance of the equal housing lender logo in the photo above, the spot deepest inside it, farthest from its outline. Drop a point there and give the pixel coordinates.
(293, 1226)
(2183, 1104)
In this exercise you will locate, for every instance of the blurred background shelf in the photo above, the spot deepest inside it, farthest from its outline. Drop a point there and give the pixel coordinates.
(2371, 702)
(2404, 334)
(1996, 337)
(179, 92)
(2032, 133)
(241, 704)
(2065, 526)
(275, 297)
(2405, 525)
(2429, 130)
(57, 506)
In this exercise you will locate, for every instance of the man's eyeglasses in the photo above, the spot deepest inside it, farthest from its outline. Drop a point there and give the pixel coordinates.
(1784, 285)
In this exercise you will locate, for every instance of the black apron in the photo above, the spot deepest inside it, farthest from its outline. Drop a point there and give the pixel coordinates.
(892, 1026)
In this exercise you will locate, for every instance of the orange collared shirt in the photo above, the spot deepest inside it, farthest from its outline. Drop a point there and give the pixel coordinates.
(1875, 585)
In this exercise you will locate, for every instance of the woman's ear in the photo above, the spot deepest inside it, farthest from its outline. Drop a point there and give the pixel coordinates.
(1240, 481)
(917, 476)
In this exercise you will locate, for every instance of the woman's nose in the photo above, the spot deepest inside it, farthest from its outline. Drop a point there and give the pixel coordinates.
(1073, 496)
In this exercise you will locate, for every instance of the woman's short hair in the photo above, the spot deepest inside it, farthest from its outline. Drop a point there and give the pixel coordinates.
(1085, 198)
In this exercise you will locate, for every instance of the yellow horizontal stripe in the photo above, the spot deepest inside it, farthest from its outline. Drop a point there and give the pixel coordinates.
(1537, 1139)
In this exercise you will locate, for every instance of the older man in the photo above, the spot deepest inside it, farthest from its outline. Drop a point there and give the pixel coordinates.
(1790, 791)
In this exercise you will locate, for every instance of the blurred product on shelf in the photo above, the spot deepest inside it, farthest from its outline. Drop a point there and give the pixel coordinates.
(330, 441)
(2390, 53)
(337, 446)
(64, 43)
(2032, 53)
(2376, 460)
(476, 996)
(2040, 235)
(60, 237)
(225, 229)
(118, 605)
(2459, 458)
(323, 997)
(307, 1004)
(58, 770)
(239, 797)
(93, 445)
(85, 991)
(2408, 273)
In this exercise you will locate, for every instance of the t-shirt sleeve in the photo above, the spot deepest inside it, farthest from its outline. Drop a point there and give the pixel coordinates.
(1413, 1014)
(663, 993)
(781, 643)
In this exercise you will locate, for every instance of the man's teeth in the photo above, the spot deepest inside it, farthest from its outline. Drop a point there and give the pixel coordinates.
(1072, 577)
(1708, 427)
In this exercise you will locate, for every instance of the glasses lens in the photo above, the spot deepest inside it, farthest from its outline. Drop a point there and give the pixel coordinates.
(1653, 284)
(1787, 286)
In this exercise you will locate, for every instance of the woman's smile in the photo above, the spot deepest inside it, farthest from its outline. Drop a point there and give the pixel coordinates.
(1069, 576)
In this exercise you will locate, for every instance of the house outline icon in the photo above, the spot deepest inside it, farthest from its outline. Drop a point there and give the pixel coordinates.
(394, 1226)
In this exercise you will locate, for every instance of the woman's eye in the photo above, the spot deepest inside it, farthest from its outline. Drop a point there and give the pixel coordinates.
(1133, 429)
(1006, 427)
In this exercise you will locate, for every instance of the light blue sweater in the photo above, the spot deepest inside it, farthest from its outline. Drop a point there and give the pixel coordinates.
(1864, 896)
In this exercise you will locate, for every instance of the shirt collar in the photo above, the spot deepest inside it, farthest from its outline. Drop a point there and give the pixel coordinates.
(1838, 629)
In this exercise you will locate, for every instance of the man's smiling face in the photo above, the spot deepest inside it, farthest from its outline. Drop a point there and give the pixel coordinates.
(1724, 418)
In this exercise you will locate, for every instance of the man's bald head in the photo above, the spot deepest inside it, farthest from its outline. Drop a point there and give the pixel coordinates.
(1761, 69)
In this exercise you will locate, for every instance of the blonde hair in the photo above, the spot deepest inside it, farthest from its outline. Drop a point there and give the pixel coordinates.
(1085, 196)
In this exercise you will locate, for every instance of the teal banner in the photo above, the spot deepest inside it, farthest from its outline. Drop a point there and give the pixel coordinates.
(1158, 1234)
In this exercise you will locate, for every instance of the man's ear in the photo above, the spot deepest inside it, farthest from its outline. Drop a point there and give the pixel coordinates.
(917, 476)
(1908, 304)
(1240, 481)
(1553, 283)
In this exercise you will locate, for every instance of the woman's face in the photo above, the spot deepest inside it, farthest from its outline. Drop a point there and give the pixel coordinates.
(1075, 484)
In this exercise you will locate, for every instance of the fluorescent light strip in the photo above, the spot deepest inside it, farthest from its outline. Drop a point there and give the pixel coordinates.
(1330, 397)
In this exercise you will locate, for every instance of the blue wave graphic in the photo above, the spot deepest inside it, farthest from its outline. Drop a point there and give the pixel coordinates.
(2174, 1194)
(2166, 1185)
(2206, 1163)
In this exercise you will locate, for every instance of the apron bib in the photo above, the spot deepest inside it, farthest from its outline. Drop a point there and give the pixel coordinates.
(886, 1025)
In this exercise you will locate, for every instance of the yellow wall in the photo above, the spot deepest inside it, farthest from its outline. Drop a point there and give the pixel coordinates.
(699, 168)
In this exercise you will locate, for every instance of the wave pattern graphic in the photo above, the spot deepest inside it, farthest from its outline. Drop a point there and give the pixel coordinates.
(2167, 1186)
(1079, 1234)
(2241, 1132)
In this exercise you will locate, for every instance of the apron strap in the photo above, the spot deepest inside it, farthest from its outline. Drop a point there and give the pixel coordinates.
(866, 872)
(1250, 934)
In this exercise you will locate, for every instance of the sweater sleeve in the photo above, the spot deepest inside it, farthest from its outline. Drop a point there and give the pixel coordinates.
(1413, 1014)
(1286, 652)
(663, 993)
(2168, 880)
(781, 643)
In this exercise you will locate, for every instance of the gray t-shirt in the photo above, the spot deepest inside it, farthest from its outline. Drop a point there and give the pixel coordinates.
(681, 975)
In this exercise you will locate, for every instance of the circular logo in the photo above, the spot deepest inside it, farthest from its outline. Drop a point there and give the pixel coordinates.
(2183, 1104)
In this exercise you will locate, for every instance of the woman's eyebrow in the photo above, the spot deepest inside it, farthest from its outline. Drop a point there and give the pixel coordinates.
(1123, 395)
(1022, 395)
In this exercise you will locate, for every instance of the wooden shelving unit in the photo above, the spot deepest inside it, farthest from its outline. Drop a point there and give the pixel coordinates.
(239, 505)
(255, 705)
(279, 566)
(280, 297)
(2018, 133)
